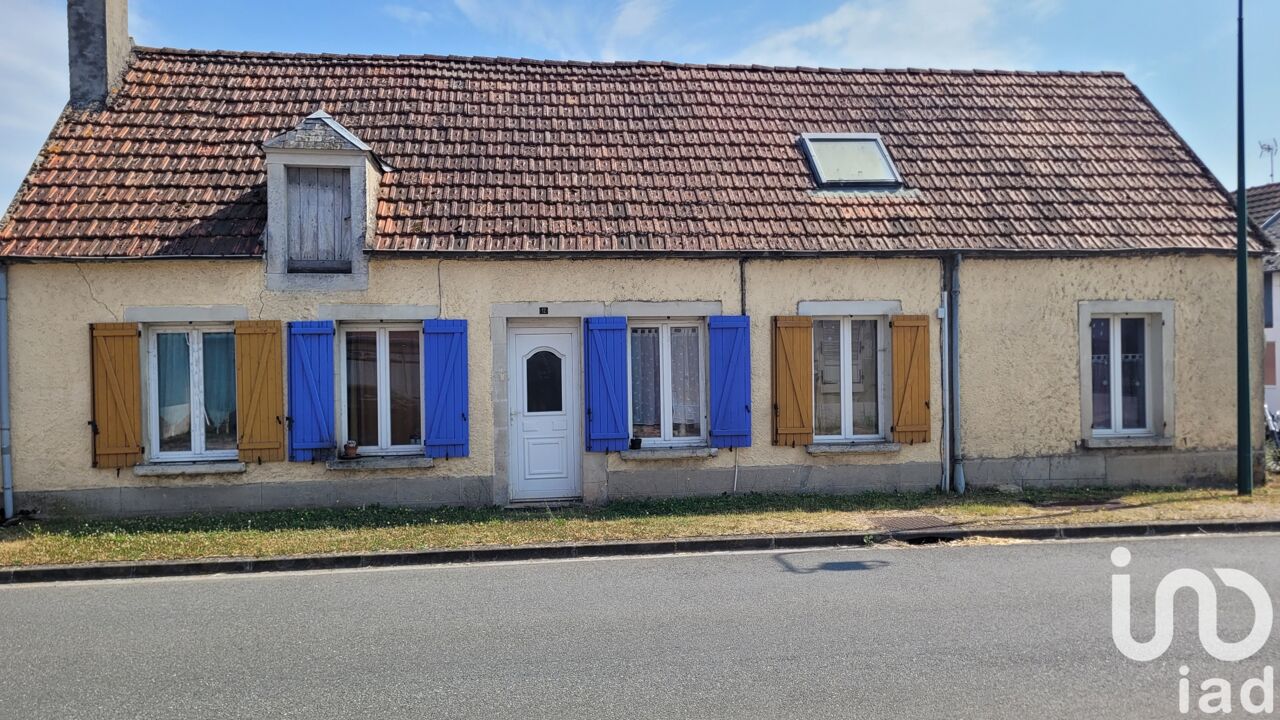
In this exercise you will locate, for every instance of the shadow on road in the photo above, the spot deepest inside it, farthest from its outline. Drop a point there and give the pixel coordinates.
(784, 560)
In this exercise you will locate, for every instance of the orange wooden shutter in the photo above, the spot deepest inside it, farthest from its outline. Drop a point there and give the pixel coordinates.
(792, 381)
(259, 391)
(117, 395)
(910, 378)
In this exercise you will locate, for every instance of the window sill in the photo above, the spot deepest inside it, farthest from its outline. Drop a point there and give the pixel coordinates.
(672, 453)
(859, 448)
(225, 467)
(1128, 441)
(383, 462)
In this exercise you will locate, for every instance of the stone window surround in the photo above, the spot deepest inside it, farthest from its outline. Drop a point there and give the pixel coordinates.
(1163, 393)
(364, 184)
(595, 467)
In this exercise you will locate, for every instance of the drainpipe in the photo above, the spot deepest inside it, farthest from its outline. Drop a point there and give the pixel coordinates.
(953, 372)
(6, 446)
(944, 333)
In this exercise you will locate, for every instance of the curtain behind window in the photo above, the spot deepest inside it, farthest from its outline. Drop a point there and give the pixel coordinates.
(219, 390)
(173, 391)
(686, 383)
(646, 407)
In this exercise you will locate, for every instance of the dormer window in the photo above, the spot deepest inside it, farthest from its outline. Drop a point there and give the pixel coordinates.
(850, 160)
(322, 182)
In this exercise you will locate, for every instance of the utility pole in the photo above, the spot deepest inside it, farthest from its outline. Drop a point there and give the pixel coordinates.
(1244, 401)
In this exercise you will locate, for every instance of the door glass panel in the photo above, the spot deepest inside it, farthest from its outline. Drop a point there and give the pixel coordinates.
(173, 391)
(405, 373)
(543, 383)
(826, 377)
(1100, 361)
(646, 375)
(865, 380)
(219, 390)
(686, 383)
(1133, 373)
(362, 387)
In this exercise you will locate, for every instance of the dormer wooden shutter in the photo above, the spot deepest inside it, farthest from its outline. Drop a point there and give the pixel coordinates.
(792, 381)
(910, 378)
(117, 395)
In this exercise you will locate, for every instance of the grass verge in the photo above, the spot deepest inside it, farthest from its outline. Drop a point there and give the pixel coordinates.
(296, 532)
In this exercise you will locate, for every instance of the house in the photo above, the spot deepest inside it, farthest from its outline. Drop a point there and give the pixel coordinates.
(1263, 205)
(505, 281)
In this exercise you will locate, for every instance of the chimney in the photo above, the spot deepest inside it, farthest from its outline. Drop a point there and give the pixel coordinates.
(98, 47)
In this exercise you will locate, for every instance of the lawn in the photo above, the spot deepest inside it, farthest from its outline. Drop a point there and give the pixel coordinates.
(296, 532)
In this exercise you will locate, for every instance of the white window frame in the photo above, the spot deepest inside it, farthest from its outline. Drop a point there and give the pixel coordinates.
(1160, 327)
(1115, 360)
(664, 326)
(383, 349)
(846, 380)
(195, 366)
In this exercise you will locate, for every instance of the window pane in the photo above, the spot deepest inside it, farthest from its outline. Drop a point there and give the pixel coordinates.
(850, 160)
(219, 391)
(405, 372)
(686, 383)
(1100, 361)
(543, 383)
(362, 388)
(865, 378)
(826, 377)
(646, 370)
(173, 391)
(1133, 372)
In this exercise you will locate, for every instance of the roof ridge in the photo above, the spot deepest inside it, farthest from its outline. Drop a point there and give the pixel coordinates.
(498, 60)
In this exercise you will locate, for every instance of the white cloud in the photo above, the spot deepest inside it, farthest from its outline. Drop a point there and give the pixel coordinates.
(900, 33)
(635, 19)
(33, 81)
(581, 30)
(563, 30)
(411, 16)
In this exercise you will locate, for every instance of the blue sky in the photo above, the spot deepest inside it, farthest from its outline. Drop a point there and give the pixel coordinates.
(1180, 52)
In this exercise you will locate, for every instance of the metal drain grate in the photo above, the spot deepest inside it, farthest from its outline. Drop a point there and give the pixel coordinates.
(895, 523)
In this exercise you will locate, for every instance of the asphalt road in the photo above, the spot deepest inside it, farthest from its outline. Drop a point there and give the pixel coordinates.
(1011, 631)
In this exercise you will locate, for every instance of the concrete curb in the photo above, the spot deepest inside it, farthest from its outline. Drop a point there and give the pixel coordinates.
(178, 568)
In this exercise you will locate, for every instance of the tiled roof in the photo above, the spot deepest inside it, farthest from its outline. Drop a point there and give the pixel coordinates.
(518, 156)
(1264, 205)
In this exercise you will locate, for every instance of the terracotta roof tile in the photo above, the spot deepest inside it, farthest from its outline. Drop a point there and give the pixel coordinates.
(518, 156)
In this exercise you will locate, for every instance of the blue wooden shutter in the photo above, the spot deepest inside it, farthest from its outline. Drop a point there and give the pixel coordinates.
(311, 413)
(730, 380)
(444, 388)
(605, 383)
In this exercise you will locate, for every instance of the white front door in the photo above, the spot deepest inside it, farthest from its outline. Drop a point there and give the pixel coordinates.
(543, 399)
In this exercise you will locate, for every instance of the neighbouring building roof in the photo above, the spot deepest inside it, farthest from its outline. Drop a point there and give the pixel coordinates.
(1264, 206)
(506, 156)
(1264, 211)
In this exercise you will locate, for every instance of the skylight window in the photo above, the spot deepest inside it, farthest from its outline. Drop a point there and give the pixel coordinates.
(850, 160)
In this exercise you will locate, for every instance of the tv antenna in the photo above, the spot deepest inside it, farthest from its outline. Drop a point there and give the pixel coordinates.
(1269, 150)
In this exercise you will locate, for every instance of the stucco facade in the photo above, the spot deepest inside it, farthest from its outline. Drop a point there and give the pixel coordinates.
(1020, 378)
(1019, 368)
